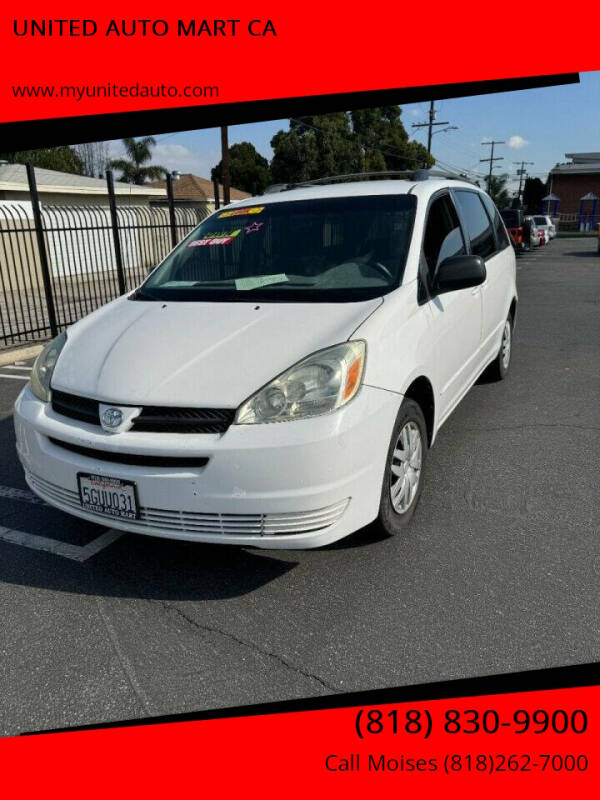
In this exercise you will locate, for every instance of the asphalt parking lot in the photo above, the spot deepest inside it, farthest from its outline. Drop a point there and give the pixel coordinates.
(499, 572)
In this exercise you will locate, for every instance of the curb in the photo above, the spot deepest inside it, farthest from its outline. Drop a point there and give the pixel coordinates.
(20, 354)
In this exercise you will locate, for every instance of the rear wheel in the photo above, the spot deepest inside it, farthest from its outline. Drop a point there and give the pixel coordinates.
(403, 478)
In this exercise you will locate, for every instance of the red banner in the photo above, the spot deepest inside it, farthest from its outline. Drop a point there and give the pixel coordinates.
(538, 743)
(80, 60)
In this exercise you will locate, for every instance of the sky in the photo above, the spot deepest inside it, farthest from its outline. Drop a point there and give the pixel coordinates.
(538, 125)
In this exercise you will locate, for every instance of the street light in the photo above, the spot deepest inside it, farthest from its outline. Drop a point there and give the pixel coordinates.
(445, 130)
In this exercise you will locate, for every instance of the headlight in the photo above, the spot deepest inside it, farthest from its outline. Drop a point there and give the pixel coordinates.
(316, 385)
(41, 374)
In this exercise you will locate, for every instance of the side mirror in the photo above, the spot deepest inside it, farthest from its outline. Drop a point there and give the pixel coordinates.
(459, 272)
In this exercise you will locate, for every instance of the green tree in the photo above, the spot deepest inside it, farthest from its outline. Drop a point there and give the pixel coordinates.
(62, 159)
(385, 141)
(295, 157)
(371, 140)
(248, 170)
(498, 190)
(533, 191)
(135, 168)
(315, 147)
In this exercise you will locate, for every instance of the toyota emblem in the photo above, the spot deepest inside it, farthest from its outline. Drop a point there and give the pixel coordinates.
(112, 418)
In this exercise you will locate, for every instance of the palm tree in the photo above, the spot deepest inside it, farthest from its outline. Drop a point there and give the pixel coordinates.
(132, 168)
(498, 190)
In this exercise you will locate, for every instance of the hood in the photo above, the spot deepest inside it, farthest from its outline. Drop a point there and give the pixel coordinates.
(211, 355)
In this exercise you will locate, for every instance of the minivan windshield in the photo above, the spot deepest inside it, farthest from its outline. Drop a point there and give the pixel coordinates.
(332, 249)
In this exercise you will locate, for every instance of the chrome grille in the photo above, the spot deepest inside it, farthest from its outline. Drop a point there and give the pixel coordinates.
(190, 522)
(152, 419)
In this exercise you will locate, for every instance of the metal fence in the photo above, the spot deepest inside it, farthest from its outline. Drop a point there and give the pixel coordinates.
(59, 263)
(578, 223)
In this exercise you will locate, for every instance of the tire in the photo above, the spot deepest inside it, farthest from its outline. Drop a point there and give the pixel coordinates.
(410, 432)
(498, 369)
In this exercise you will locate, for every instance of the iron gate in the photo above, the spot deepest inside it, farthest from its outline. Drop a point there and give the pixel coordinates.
(59, 263)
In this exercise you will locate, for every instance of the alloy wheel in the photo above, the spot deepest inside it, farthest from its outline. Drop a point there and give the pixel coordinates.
(405, 469)
(506, 344)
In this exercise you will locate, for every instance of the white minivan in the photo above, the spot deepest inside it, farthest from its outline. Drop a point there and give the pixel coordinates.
(278, 380)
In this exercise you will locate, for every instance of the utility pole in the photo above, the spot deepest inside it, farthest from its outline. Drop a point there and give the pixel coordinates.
(491, 159)
(430, 125)
(225, 179)
(520, 173)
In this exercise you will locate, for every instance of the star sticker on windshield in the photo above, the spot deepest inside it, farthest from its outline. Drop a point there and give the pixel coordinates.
(256, 226)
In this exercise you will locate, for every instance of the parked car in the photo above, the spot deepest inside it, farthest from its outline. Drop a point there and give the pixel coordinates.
(518, 228)
(544, 223)
(279, 379)
(537, 234)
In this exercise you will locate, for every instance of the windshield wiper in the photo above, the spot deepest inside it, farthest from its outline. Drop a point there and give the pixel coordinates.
(281, 285)
(224, 282)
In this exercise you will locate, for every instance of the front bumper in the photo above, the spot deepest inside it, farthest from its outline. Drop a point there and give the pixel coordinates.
(295, 484)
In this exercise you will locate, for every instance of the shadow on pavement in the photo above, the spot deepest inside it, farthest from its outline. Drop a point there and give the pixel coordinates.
(592, 253)
(136, 565)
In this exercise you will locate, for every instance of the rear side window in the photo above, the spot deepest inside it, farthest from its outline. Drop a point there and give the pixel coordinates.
(443, 237)
(477, 224)
(512, 218)
(502, 240)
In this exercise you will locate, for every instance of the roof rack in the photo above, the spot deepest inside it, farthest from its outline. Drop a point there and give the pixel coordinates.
(408, 174)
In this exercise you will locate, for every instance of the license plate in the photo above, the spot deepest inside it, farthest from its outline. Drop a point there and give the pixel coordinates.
(110, 496)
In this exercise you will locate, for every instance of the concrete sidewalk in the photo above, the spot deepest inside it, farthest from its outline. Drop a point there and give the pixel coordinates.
(20, 353)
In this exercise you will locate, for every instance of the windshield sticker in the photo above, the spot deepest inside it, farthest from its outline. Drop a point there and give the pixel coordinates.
(256, 226)
(222, 237)
(243, 284)
(242, 212)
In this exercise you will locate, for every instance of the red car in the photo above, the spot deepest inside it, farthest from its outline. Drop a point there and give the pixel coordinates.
(518, 228)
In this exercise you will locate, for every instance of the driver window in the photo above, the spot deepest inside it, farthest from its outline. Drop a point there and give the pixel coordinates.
(443, 236)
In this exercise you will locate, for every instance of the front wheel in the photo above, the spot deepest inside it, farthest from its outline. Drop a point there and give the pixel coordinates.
(499, 367)
(403, 478)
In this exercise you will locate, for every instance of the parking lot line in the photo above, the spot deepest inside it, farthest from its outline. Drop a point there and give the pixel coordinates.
(15, 377)
(96, 545)
(18, 367)
(35, 542)
(11, 493)
(62, 549)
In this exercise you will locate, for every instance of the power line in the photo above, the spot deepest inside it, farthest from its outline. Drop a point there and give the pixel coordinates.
(491, 159)
(520, 173)
(429, 125)
(394, 152)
